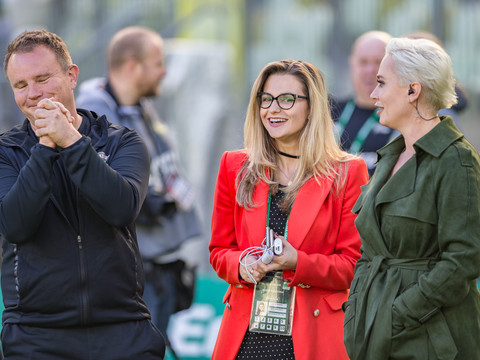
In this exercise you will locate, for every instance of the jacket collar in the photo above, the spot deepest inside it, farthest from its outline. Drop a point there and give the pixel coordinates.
(95, 127)
(92, 126)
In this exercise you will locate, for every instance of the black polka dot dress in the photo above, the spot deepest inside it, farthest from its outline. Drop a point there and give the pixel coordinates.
(260, 346)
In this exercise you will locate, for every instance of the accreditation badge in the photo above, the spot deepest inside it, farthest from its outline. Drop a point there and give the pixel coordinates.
(272, 306)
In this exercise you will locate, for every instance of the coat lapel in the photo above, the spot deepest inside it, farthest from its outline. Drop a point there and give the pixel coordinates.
(390, 189)
(398, 186)
(367, 221)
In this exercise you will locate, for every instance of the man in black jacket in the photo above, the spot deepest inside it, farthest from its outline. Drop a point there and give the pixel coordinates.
(71, 186)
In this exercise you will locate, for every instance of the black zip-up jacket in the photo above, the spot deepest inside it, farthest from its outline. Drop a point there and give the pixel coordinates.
(70, 253)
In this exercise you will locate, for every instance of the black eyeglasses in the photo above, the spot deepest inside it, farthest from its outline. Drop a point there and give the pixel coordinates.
(285, 101)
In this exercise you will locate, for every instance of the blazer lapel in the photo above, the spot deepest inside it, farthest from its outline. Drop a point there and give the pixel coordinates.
(306, 207)
(256, 217)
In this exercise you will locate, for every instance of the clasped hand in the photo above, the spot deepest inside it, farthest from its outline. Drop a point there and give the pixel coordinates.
(54, 124)
(287, 260)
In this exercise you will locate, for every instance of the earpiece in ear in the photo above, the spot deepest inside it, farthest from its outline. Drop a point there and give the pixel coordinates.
(410, 91)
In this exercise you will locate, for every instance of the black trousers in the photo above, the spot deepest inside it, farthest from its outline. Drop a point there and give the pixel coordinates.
(132, 340)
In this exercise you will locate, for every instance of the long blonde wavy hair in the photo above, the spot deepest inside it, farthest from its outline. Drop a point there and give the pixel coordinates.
(320, 154)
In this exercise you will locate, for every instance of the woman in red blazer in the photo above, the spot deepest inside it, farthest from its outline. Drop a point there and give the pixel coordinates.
(293, 170)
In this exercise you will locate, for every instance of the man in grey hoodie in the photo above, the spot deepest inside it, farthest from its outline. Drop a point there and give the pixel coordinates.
(136, 67)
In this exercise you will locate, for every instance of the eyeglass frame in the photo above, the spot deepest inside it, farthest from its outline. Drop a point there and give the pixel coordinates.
(295, 97)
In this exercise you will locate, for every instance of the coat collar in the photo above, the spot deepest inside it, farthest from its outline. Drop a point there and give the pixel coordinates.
(440, 137)
(434, 142)
(399, 186)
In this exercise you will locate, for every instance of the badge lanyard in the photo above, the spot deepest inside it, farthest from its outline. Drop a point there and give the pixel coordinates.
(273, 300)
(364, 131)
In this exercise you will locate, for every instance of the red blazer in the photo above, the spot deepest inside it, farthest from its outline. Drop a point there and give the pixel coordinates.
(321, 228)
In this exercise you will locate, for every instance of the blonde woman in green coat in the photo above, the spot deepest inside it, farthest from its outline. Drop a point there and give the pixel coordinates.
(414, 293)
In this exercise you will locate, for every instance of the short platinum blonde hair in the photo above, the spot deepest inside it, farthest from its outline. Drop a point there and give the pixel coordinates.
(426, 62)
(320, 153)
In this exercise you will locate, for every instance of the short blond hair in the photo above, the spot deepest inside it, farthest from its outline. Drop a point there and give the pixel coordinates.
(428, 63)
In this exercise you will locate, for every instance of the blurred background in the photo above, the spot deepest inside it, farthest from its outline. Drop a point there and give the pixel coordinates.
(214, 51)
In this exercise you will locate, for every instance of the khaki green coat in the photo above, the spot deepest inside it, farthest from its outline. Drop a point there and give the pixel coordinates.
(414, 293)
